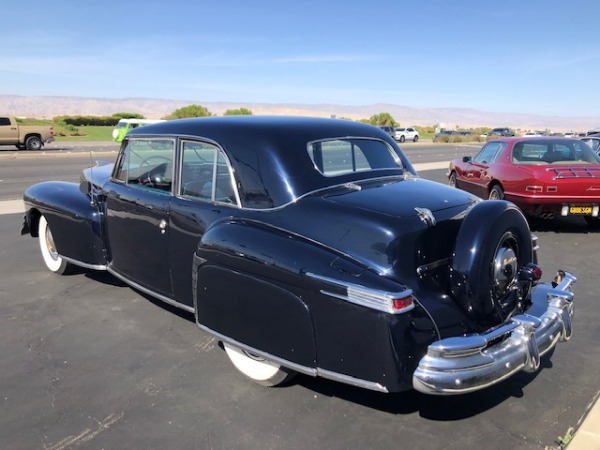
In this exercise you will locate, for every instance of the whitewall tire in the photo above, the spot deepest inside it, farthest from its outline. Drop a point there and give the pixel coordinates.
(257, 368)
(53, 261)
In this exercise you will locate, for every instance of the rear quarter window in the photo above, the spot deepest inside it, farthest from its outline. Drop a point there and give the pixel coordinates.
(343, 156)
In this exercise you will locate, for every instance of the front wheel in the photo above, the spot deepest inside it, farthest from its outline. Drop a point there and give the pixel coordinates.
(257, 368)
(33, 143)
(53, 261)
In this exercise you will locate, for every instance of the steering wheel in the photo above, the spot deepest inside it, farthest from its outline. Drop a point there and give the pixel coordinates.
(150, 178)
(146, 162)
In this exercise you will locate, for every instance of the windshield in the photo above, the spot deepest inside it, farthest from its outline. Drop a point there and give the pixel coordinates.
(343, 156)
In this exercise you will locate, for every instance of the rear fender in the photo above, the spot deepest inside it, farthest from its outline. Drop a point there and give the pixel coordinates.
(251, 287)
(75, 221)
(277, 293)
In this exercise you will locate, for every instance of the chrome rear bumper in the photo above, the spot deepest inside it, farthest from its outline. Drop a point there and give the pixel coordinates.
(458, 365)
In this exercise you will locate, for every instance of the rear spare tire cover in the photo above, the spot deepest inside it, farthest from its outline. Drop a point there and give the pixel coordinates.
(493, 244)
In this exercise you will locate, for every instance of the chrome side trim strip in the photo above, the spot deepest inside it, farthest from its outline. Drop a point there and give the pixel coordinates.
(284, 362)
(160, 297)
(346, 379)
(313, 372)
(84, 265)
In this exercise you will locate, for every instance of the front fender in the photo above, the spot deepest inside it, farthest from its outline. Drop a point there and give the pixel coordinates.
(75, 221)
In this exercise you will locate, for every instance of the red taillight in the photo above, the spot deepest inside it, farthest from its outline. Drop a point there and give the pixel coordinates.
(402, 303)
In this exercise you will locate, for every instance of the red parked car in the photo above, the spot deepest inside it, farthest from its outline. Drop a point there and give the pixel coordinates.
(545, 176)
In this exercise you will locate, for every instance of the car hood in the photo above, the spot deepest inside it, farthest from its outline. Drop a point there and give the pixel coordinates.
(98, 174)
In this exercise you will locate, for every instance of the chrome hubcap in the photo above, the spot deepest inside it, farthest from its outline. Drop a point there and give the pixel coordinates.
(50, 244)
(505, 268)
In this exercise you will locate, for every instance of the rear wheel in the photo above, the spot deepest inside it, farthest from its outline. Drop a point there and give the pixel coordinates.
(402, 138)
(53, 261)
(33, 143)
(416, 138)
(257, 368)
(496, 193)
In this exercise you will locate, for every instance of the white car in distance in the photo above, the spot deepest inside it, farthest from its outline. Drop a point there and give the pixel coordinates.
(406, 134)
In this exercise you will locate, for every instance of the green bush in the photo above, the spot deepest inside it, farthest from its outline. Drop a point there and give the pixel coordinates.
(80, 121)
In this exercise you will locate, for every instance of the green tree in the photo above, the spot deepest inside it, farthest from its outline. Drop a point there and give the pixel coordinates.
(238, 112)
(189, 111)
(383, 118)
(127, 115)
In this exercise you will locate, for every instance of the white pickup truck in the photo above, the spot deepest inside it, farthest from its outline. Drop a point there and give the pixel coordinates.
(24, 136)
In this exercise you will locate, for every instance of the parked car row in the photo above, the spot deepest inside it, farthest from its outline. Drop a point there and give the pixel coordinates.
(593, 140)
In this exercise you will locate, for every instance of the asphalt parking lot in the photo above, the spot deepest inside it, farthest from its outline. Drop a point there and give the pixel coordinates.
(87, 362)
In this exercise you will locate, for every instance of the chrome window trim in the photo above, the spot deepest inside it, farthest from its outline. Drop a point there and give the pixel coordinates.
(232, 179)
(357, 138)
(125, 144)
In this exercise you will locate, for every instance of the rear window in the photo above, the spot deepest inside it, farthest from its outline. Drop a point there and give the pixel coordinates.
(553, 152)
(343, 156)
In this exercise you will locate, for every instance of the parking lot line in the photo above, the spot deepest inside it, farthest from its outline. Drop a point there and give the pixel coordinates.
(12, 207)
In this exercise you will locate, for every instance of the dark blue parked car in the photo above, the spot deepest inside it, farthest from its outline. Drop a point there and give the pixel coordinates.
(312, 246)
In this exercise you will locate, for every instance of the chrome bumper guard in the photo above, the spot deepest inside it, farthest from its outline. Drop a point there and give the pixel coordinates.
(458, 365)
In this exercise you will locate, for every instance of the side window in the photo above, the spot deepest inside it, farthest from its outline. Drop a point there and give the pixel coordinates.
(205, 174)
(489, 153)
(4, 121)
(147, 164)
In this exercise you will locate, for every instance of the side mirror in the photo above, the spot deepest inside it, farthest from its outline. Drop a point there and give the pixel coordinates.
(467, 159)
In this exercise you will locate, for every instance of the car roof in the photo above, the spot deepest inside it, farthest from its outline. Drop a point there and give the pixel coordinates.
(530, 140)
(269, 154)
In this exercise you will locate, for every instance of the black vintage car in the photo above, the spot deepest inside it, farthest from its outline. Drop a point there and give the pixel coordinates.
(311, 245)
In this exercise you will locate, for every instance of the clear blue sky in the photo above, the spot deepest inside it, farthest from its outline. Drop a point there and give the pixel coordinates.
(539, 57)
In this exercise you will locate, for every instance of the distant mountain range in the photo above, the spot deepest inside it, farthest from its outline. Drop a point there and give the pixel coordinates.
(43, 107)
